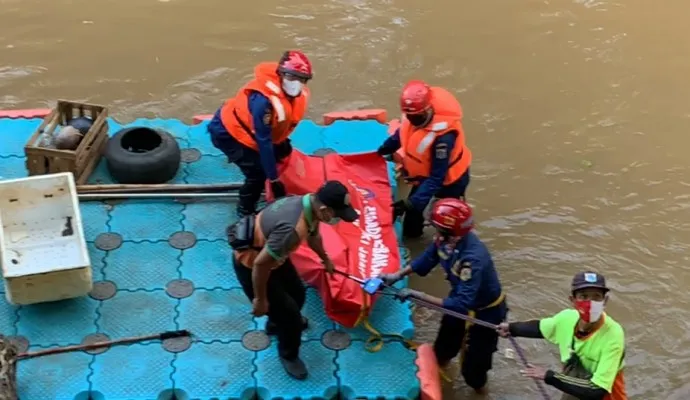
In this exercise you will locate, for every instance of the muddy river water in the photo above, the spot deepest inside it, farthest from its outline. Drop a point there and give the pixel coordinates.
(577, 112)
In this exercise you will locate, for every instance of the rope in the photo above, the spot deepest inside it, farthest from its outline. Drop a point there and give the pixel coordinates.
(513, 341)
(525, 364)
(375, 341)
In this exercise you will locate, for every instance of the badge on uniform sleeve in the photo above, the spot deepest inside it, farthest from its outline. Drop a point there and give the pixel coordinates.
(441, 151)
(463, 270)
(268, 116)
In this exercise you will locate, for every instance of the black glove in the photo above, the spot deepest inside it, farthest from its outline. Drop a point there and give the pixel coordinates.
(385, 153)
(400, 207)
(278, 189)
(282, 150)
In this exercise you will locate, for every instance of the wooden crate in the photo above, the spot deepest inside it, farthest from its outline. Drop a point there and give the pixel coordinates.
(81, 162)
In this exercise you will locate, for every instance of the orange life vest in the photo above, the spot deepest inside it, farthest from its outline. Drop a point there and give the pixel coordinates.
(416, 143)
(287, 112)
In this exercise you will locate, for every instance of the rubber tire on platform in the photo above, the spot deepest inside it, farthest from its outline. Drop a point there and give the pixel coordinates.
(151, 166)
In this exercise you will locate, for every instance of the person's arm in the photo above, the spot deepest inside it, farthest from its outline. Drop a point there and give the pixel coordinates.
(544, 328)
(527, 329)
(282, 241)
(582, 389)
(391, 144)
(443, 146)
(603, 377)
(425, 262)
(262, 114)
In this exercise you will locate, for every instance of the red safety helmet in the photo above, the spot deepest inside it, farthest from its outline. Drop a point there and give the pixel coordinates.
(415, 97)
(294, 62)
(452, 217)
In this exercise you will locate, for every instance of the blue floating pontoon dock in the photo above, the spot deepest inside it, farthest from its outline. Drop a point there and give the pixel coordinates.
(132, 257)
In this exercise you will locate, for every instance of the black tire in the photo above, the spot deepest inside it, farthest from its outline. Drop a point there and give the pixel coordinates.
(140, 155)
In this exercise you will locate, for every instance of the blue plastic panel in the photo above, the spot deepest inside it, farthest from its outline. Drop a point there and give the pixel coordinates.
(216, 366)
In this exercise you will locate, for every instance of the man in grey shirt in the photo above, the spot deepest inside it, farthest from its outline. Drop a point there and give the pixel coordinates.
(266, 274)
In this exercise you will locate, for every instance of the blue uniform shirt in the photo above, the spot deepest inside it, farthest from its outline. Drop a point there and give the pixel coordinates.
(469, 269)
(259, 107)
(442, 148)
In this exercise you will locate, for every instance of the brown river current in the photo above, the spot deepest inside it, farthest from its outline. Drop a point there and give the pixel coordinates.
(576, 110)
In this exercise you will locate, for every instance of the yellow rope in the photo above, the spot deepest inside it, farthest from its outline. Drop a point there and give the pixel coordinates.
(376, 339)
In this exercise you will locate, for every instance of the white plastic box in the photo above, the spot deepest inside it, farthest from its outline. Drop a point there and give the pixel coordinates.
(43, 252)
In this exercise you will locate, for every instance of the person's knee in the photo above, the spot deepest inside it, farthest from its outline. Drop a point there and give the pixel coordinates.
(448, 342)
(443, 353)
(300, 295)
(285, 311)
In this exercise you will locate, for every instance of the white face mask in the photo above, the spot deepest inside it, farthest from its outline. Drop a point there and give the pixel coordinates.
(333, 221)
(292, 88)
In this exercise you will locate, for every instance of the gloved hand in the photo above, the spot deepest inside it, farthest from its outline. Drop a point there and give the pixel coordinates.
(390, 279)
(400, 207)
(407, 293)
(282, 150)
(278, 189)
(385, 153)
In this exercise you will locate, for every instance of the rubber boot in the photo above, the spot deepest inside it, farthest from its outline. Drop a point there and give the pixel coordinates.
(482, 391)
(295, 368)
(271, 327)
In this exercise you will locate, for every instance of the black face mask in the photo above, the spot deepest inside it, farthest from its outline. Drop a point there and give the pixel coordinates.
(418, 120)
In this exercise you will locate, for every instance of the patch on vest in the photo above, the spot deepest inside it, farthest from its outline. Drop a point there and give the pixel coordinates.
(439, 126)
(441, 151)
(268, 116)
(463, 270)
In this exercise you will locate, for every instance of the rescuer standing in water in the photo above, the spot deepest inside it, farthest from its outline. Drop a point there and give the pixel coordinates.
(252, 129)
(263, 244)
(436, 160)
(591, 343)
(475, 291)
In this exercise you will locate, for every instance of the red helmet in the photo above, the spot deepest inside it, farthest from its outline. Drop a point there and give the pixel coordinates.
(452, 217)
(294, 62)
(415, 97)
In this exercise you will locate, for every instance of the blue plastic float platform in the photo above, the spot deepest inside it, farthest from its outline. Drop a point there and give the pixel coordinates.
(144, 286)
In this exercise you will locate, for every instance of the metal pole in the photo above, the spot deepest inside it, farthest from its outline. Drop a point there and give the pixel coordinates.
(159, 188)
(105, 196)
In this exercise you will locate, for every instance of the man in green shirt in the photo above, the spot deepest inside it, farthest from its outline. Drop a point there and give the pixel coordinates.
(591, 343)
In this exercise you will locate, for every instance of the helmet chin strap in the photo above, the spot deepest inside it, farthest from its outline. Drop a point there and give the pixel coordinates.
(429, 117)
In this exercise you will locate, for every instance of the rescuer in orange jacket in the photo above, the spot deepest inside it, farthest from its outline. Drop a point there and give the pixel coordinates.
(252, 129)
(436, 160)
